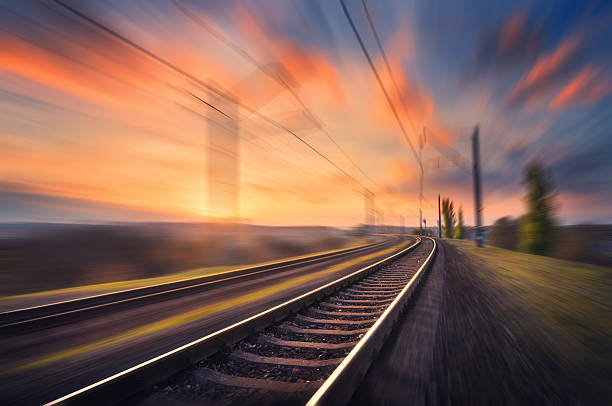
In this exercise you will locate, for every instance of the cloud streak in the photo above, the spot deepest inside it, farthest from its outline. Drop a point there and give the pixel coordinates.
(92, 122)
(587, 87)
(547, 72)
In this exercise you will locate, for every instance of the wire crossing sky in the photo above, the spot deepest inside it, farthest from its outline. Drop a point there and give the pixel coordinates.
(103, 116)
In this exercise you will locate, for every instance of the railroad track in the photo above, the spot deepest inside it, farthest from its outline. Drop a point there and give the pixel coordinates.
(312, 349)
(31, 319)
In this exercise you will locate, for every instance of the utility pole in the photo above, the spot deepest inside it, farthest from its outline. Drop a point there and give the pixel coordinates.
(439, 219)
(477, 187)
(421, 173)
(420, 221)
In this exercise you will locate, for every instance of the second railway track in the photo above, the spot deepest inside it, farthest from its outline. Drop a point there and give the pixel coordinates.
(21, 321)
(312, 349)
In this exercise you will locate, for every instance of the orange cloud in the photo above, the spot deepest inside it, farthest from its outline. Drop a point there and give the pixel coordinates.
(401, 44)
(546, 72)
(42, 66)
(413, 103)
(399, 172)
(550, 64)
(309, 67)
(99, 69)
(585, 87)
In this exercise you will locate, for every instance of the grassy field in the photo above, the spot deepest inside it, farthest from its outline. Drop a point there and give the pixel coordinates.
(565, 306)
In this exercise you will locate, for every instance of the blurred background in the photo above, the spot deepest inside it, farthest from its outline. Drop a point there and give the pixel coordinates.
(146, 138)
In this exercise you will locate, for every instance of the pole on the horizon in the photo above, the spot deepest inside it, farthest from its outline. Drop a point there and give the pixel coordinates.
(422, 140)
(420, 222)
(439, 219)
(477, 187)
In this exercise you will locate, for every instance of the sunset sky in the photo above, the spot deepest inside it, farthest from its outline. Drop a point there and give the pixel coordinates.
(95, 130)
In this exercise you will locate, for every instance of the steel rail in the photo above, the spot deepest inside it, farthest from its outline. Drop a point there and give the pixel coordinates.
(341, 384)
(123, 384)
(44, 316)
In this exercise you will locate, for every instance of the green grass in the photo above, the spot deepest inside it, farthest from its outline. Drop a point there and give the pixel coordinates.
(567, 304)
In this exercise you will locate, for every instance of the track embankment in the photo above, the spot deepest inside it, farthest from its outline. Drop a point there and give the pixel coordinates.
(475, 336)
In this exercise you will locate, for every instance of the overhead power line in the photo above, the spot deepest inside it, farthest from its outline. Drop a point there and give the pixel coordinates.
(141, 49)
(175, 68)
(445, 149)
(246, 55)
(378, 79)
(387, 64)
(417, 156)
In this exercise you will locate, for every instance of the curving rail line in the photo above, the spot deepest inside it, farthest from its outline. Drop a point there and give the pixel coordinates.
(312, 349)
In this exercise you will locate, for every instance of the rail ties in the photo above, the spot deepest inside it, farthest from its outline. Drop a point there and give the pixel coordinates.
(287, 362)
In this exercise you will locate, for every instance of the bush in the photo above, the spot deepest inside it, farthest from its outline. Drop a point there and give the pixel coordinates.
(504, 233)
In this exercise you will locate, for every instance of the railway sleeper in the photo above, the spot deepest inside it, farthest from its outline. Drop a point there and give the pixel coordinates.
(266, 339)
(388, 277)
(292, 362)
(399, 276)
(363, 302)
(381, 286)
(307, 319)
(373, 290)
(288, 328)
(366, 308)
(366, 296)
(384, 281)
(268, 349)
(340, 314)
(205, 374)
(386, 284)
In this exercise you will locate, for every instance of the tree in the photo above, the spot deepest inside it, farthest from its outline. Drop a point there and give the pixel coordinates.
(448, 212)
(536, 229)
(460, 230)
